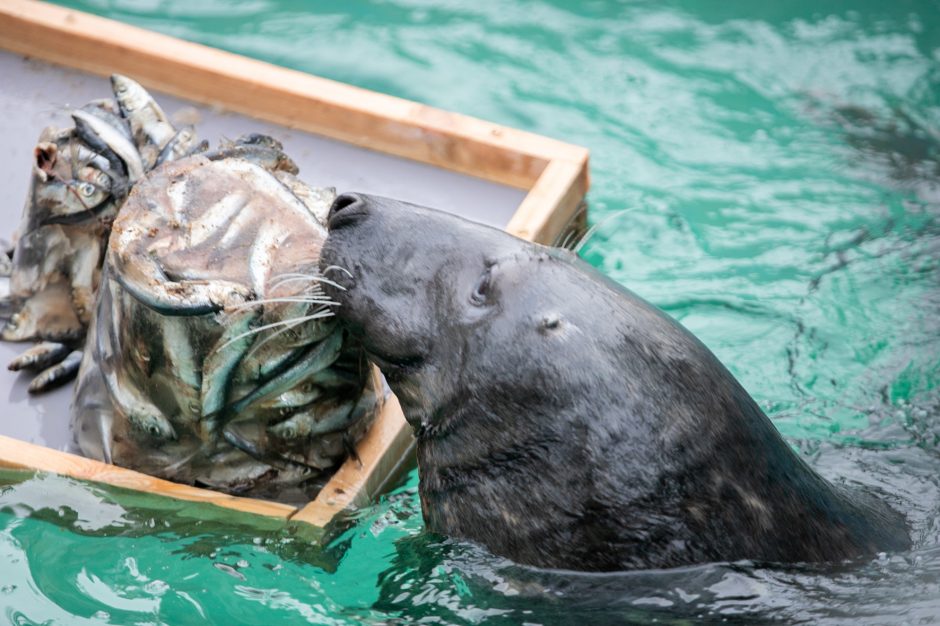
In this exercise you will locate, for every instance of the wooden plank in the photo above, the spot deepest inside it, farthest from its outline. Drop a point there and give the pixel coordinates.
(552, 202)
(556, 172)
(358, 116)
(356, 482)
(22, 455)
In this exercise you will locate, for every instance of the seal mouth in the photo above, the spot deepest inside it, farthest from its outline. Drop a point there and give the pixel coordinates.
(395, 367)
(346, 209)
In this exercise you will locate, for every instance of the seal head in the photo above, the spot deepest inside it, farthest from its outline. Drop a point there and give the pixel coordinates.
(561, 420)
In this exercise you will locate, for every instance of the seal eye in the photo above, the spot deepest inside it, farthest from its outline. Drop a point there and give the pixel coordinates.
(482, 289)
(550, 323)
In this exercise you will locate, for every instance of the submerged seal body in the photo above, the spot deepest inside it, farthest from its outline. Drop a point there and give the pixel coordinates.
(561, 420)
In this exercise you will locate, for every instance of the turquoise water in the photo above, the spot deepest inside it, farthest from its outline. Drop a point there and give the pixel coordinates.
(768, 173)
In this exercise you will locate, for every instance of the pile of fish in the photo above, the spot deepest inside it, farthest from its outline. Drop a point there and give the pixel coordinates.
(80, 178)
(183, 286)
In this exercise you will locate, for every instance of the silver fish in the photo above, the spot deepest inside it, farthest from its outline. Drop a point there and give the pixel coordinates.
(213, 315)
(80, 178)
(114, 140)
(150, 127)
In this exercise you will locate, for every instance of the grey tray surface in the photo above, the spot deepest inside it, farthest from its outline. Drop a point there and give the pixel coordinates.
(33, 95)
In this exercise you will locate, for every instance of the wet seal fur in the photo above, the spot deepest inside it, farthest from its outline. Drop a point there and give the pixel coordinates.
(564, 422)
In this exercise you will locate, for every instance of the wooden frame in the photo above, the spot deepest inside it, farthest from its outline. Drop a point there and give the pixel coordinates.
(554, 173)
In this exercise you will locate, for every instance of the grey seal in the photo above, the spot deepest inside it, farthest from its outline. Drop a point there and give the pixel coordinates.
(564, 422)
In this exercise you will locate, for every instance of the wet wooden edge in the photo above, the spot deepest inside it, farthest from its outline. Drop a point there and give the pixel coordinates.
(555, 173)
(199, 73)
(17, 454)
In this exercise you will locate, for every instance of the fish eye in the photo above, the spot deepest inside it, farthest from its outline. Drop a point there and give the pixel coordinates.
(482, 289)
(86, 189)
(154, 430)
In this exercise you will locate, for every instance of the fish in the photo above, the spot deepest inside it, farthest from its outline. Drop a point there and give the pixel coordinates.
(106, 137)
(81, 177)
(150, 127)
(212, 329)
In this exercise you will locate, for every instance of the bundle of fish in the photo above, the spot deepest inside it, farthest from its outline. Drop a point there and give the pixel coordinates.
(80, 178)
(211, 357)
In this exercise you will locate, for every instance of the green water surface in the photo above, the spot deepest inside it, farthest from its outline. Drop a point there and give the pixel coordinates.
(768, 173)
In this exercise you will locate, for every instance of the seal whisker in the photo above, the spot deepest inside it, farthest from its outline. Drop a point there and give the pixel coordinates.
(571, 228)
(293, 277)
(324, 300)
(289, 325)
(269, 338)
(254, 331)
(593, 229)
(337, 267)
(569, 239)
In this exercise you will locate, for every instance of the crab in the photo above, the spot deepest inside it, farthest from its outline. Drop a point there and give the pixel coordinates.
(214, 358)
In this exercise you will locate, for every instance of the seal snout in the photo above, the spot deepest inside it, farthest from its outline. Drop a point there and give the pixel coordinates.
(346, 208)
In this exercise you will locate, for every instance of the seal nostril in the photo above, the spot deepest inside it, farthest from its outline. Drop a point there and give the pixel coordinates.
(347, 205)
(343, 202)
